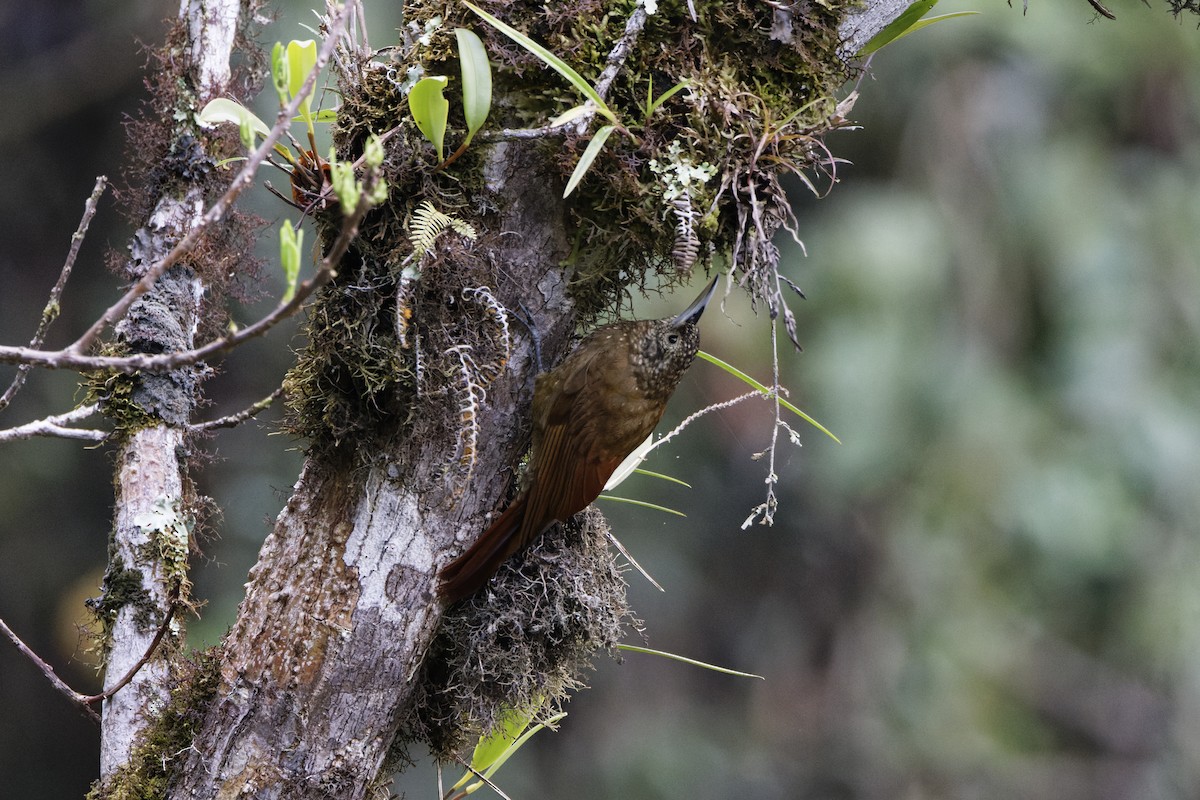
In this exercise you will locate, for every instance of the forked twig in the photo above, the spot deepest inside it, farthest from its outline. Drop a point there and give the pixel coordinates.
(84, 701)
(233, 420)
(57, 426)
(74, 355)
(47, 670)
(50, 312)
(69, 359)
(128, 676)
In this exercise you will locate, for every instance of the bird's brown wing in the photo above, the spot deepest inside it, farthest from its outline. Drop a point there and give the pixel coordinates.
(570, 476)
(573, 461)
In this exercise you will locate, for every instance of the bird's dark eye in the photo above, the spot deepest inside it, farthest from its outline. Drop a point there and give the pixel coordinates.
(673, 338)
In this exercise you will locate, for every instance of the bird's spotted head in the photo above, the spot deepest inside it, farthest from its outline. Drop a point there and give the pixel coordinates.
(665, 348)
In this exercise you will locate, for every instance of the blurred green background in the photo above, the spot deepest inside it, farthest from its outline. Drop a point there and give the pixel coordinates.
(989, 590)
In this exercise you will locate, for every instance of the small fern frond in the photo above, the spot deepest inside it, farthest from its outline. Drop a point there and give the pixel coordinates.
(428, 223)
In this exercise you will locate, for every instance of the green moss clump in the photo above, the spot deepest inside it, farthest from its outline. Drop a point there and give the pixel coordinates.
(122, 587)
(760, 93)
(382, 336)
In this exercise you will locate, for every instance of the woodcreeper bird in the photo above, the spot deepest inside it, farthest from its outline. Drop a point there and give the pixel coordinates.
(589, 413)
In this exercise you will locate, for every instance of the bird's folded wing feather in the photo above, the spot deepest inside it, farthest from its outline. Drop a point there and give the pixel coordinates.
(573, 463)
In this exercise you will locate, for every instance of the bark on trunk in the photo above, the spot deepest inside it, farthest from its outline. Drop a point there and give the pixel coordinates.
(318, 671)
(147, 572)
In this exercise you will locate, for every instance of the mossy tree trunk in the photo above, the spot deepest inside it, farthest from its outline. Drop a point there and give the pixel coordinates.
(414, 386)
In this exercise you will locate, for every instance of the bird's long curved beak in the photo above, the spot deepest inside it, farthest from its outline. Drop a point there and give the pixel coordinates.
(691, 314)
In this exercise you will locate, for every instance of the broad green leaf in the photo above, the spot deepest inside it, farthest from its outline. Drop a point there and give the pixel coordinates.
(430, 110)
(911, 20)
(589, 155)
(507, 754)
(642, 504)
(635, 649)
(301, 58)
(291, 242)
(737, 373)
(490, 748)
(224, 110)
(477, 80)
(551, 60)
(487, 767)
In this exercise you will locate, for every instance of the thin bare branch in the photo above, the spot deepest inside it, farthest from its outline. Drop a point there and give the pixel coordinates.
(513, 134)
(214, 214)
(56, 426)
(481, 777)
(633, 562)
(80, 701)
(233, 420)
(50, 312)
(69, 359)
(1101, 10)
(621, 50)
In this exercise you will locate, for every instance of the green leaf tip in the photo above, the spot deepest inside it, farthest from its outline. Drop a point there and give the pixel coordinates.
(547, 57)
(908, 22)
(642, 504)
(476, 78)
(684, 659)
(430, 110)
(589, 155)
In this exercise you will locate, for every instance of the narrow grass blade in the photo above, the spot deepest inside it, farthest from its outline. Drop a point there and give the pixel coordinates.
(589, 155)
(648, 651)
(744, 378)
(659, 475)
(911, 20)
(641, 503)
(573, 113)
(667, 95)
(551, 60)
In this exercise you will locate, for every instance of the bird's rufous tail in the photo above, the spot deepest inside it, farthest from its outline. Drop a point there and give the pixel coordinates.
(463, 576)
